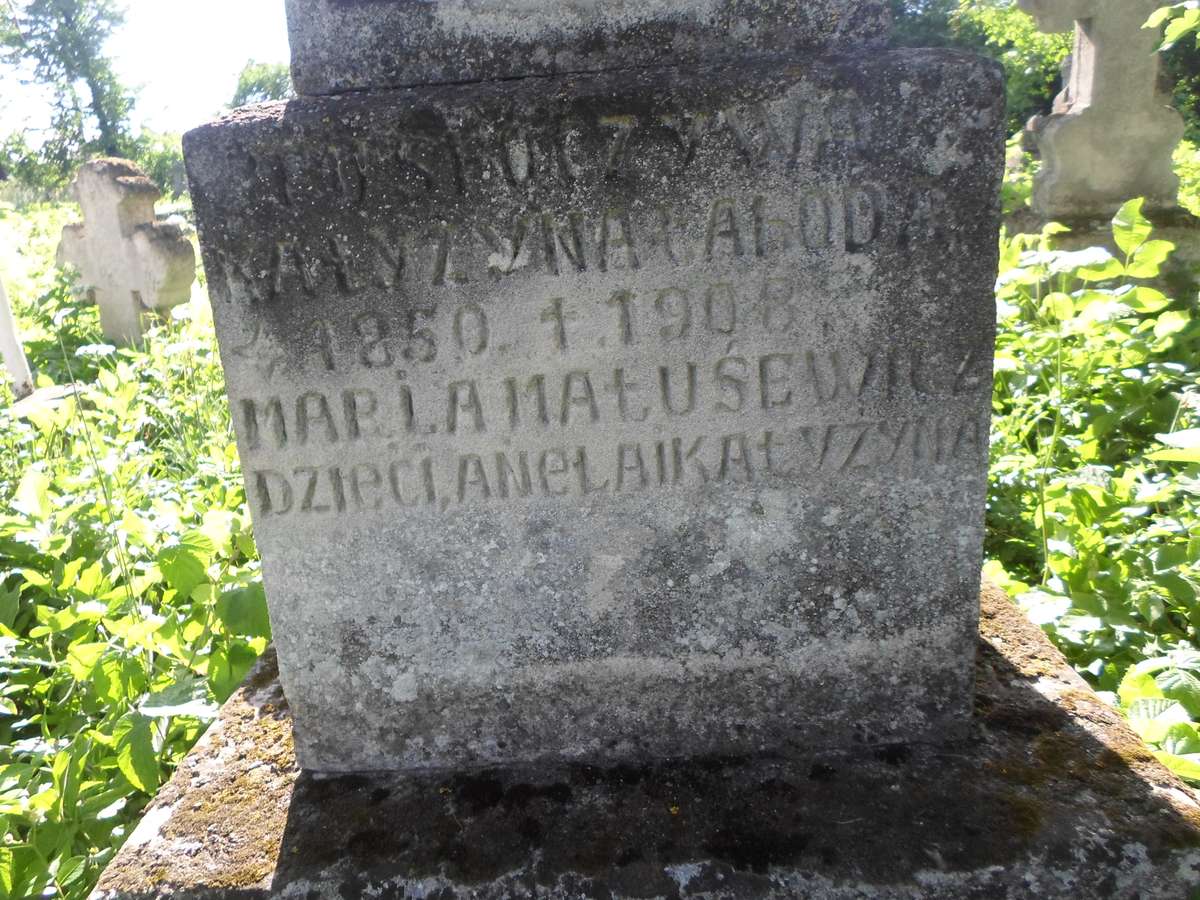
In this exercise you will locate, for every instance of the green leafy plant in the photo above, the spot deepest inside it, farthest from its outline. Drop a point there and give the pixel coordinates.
(130, 598)
(1095, 462)
(1180, 19)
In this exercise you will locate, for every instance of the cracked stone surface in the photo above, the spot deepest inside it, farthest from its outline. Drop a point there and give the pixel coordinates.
(1051, 795)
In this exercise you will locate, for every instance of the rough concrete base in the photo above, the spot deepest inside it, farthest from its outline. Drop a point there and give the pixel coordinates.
(1051, 797)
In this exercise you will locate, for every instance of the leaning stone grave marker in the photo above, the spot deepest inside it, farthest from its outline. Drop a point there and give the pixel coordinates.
(131, 264)
(634, 413)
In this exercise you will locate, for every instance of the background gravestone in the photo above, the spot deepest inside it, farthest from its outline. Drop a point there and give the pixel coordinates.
(131, 265)
(1113, 131)
(636, 413)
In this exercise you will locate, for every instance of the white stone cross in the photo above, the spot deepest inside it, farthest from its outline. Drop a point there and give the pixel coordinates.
(131, 265)
(12, 352)
(1112, 132)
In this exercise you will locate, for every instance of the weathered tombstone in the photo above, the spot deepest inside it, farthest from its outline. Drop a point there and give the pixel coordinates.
(131, 265)
(1113, 131)
(11, 351)
(641, 413)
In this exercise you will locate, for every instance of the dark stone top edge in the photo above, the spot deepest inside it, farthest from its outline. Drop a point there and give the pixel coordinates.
(272, 112)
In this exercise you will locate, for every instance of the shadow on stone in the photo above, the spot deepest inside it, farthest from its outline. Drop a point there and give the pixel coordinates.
(1035, 782)
(1052, 796)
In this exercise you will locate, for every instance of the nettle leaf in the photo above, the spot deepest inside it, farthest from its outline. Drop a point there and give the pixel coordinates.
(33, 494)
(1147, 260)
(227, 666)
(133, 741)
(1152, 717)
(1181, 27)
(218, 526)
(1138, 685)
(186, 697)
(183, 567)
(243, 611)
(1130, 228)
(1182, 739)
(199, 542)
(1185, 659)
(82, 659)
(1178, 684)
(1059, 306)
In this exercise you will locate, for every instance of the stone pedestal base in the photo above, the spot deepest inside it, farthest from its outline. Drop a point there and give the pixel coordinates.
(1052, 796)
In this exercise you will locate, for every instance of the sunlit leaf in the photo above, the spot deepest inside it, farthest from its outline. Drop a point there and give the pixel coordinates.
(1129, 227)
(1178, 684)
(1151, 717)
(182, 567)
(1170, 322)
(33, 494)
(136, 757)
(82, 658)
(243, 611)
(1147, 260)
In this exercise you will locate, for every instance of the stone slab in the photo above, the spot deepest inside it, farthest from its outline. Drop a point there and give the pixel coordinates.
(624, 416)
(344, 45)
(1050, 796)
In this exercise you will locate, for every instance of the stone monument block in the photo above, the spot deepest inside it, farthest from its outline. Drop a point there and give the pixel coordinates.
(344, 45)
(131, 265)
(1113, 132)
(622, 415)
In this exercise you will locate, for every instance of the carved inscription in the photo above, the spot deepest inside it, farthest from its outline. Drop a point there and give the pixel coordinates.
(754, 417)
(495, 315)
(442, 481)
(820, 220)
(780, 383)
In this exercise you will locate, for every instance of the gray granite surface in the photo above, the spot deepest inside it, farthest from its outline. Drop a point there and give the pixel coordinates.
(1050, 796)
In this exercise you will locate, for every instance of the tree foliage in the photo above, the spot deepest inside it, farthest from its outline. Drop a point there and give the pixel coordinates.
(259, 82)
(59, 44)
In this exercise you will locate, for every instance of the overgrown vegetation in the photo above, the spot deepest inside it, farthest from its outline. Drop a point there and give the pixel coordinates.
(1094, 523)
(130, 600)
